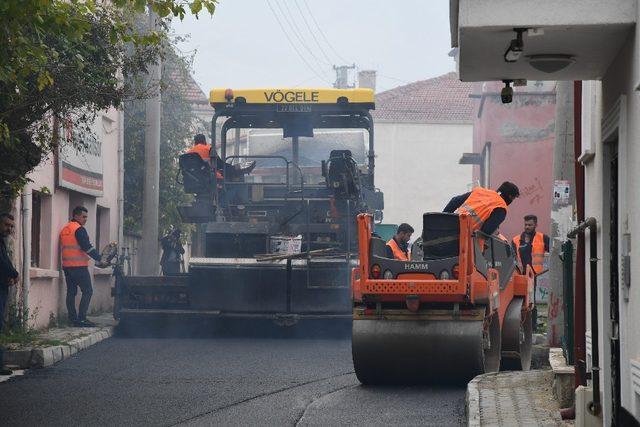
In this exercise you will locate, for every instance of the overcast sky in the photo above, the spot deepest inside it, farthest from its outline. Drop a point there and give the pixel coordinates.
(243, 44)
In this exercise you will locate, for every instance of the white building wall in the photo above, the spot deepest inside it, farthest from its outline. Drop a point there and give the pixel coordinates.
(620, 107)
(417, 168)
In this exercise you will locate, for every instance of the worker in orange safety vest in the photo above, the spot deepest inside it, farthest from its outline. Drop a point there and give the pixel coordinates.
(531, 245)
(487, 208)
(398, 245)
(75, 252)
(203, 149)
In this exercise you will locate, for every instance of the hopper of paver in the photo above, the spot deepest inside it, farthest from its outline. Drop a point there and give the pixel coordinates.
(455, 312)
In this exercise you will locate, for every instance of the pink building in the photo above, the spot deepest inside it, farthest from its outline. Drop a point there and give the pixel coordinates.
(91, 178)
(514, 142)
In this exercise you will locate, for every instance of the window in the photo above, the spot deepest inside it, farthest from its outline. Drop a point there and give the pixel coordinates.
(102, 227)
(36, 219)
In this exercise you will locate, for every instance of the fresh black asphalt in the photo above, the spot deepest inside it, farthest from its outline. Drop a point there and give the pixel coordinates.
(218, 381)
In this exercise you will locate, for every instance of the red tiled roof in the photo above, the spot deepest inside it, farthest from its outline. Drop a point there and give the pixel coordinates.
(440, 100)
(184, 80)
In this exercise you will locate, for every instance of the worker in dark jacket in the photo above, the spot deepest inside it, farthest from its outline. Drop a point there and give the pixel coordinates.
(172, 252)
(8, 276)
(398, 245)
(76, 250)
(487, 208)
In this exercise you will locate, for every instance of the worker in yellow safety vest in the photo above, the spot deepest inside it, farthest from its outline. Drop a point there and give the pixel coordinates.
(487, 208)
(398, 245)
(531, 245)
(75, 252)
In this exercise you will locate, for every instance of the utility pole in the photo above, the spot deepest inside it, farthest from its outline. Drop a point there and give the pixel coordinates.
(150, 193)
(562, 208)
(342, 76)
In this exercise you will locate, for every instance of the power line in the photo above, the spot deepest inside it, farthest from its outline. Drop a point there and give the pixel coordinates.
(296, 31)
(393, 78)
(294, 46)
(304, 81)
(306, 23)
(323, 35)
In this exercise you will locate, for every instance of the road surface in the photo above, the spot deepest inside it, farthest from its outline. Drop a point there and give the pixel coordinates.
(218, 381)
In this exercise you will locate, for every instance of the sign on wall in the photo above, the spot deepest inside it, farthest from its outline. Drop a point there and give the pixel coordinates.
(561, 192)
(80, 162)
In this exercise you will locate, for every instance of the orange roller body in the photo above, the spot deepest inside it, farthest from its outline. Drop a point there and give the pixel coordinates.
(450, 314)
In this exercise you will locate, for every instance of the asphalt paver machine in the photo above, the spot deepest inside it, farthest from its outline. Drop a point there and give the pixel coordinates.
(238, 273)
(458, 308)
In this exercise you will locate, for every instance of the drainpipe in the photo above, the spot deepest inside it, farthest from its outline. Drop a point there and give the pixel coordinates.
(26, 250)
(579, 295)
(121, 177)
(594, 406)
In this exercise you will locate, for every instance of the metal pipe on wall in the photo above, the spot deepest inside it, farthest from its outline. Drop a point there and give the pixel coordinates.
(120, 177)
(579, 295)
(595, 406)
(26, 203)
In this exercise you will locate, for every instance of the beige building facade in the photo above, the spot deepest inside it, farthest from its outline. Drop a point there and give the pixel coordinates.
(421, 131)
(90, 177)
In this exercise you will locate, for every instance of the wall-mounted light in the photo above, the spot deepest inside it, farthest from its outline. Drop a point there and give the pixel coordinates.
(514, 50)
(550, 62)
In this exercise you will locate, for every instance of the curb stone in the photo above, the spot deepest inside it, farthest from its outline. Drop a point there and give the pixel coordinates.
(47, 356)
(483, 404)
(472, 398)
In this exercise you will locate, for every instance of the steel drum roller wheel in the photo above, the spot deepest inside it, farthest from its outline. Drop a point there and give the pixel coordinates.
(407, 351)
(517, 335)
(493, 348)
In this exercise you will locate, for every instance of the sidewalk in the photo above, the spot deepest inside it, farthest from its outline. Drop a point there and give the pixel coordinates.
(56, 344)
(513, 399)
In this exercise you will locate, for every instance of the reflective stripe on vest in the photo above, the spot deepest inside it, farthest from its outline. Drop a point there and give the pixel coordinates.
(70, 252)
(479, 205)
(397, 252)
(537, 251)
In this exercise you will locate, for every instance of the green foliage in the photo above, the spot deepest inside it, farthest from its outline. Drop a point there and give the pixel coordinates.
(58, 57)
(176, 131)
(19, 328)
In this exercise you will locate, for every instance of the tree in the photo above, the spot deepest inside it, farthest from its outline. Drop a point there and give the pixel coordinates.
(67, 58)
(177, 124)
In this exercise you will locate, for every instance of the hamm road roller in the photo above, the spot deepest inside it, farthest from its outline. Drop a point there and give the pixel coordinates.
(457, 309)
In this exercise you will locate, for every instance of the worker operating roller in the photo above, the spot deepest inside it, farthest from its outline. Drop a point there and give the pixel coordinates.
(487, 208)
(458, 310)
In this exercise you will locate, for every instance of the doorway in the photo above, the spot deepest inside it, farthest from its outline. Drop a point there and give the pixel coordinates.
(614, 282)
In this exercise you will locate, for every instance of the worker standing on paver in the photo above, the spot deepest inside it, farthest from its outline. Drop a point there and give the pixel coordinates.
(8, 276)
(531, 245)
(172, 252)
(398, 245)
(487, 208)
(75, 251)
